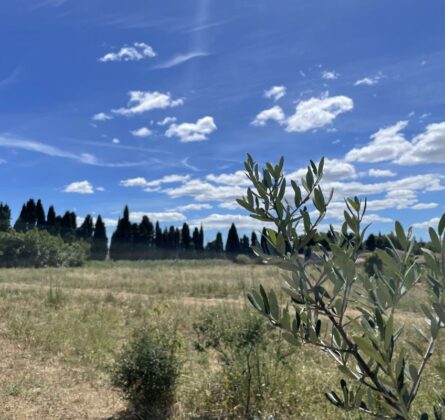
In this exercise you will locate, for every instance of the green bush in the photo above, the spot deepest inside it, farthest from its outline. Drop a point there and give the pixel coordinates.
(250, 364)
(147, 370)
(244, 260)
(372, 265)
(37, 248)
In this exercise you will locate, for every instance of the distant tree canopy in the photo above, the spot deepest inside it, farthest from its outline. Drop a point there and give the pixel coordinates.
(144, 239)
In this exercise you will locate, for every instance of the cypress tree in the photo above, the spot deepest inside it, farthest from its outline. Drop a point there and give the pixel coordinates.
(196, 238)
(51, 220)
(219, 245)
(233, 242)
(66, 227)
(370, 243)
(40, 215)
(121, 241)
(86, 229)
(245, 245)
(201, 239)
(186, 239)
(253, 240)
(31, 214)
(20, 223)
(99, 245)
(264, 244)
(146, 237)
(5, 217)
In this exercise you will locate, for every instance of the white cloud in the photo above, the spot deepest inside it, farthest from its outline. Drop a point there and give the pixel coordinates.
(387, 144)
(168, 216)
(231, 205)
(424, 206)
(141, 102)
(427, 147)
(80, 187)
(137, 52)
(167, 121)
(193, 207)
(369, 81)
(275, 92)
(100, 189)
(142, 182)
(101, 116)
(115, 141)
(333, 170)
(223, 221)
(238, 178)
(381, 173)
(318, 112)
(275, 114)
(205, 191)
(180, 59)
(329, 75)
(142, 132)
(189, 132)
(427, 224)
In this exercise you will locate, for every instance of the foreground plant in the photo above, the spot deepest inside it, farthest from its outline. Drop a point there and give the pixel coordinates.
(335, 306)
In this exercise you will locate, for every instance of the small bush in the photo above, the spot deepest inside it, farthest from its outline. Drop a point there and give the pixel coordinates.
(37, 249)
(147, 370)
(372, 263)
(244, 259)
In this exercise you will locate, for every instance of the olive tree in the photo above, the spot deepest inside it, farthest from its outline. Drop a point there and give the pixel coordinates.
(335, 306)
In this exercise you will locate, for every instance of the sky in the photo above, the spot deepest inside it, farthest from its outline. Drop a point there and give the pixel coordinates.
(155, 105)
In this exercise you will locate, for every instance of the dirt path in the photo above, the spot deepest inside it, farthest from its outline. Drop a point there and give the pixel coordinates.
(37, 385)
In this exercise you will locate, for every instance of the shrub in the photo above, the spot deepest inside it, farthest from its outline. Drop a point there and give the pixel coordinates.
(249, 359)
(147, 370)
(244, 259)
(382, 367)
(373, 264)
(37, 248)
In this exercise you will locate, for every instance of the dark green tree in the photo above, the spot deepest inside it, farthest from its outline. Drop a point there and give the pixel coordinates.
(121, 246)
(5, 217)
(146, 237)
(40, 215)
(186, 239)
(86, 229)
(244, 245)
(370, 243)
(99, 245)
(51, 221)
(233, 242)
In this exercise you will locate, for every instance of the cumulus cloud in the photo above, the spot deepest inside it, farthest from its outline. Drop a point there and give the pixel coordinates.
(137, 52)
(427, 147)
(275, 114)
(205, 191)
(381, 173)
(387, 144)
(427, 224)
(80, 187)
(390, 144)
(237, 178)
(193, 207)
(329, 75)
(223, 221)
(142, 132)
(318, 112)
(334, 170)
(144, 183)
(141, 102)
(168, 216)
(275, 92)
(101, 116)
(189, 132)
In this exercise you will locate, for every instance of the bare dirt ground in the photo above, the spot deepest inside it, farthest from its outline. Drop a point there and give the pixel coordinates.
(36, 385)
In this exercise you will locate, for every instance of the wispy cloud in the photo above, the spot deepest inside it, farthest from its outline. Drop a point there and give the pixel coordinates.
(180, 59)
(45, 149)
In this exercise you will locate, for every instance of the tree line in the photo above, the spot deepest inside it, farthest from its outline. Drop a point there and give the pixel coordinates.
(130, 240)
(148, 240)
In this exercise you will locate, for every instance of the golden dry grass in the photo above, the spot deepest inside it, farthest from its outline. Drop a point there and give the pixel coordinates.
(61, 328)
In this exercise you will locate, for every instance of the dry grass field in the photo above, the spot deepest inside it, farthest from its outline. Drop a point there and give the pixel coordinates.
(60, 330)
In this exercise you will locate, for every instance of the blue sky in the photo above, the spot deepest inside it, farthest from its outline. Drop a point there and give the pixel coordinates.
(155, 104)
